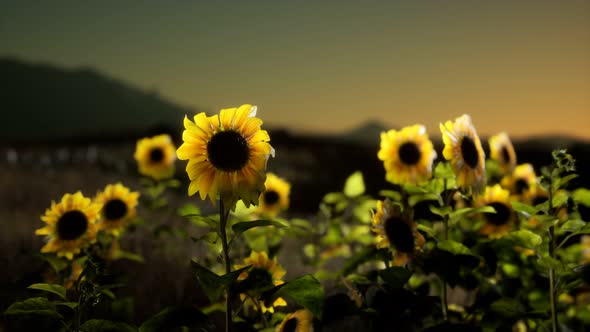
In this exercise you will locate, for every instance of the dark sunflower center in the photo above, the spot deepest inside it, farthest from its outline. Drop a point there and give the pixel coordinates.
(260, 277)
(114, 209)
(270, 197)
(409, 153)
(228, 150)
(502, 215)
(290, 325)
(71, 225)
(539, 200)
(520, 186)
(469, 152)
(156, 155)
(399, 234)
(505, 154)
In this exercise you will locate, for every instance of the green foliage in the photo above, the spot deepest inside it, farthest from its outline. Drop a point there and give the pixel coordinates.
(172, 318)
(212, 284)
(58, 290)
(35, 306)
(355, 185)
(306, 291)
(101, 325)
(395, 277)
(241, 227)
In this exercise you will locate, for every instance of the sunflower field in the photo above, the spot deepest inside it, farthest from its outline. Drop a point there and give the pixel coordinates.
(453, 241)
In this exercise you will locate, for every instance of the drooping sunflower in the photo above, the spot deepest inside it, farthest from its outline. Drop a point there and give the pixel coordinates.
(502, 151)
(463, 149)
(264, 271)
(522, 183)
(71, 225)
(396, 230)
(407, 155)
(275, 197)
(155, 156)
(118, 208)
(499, 223)
(298, 321)
(227, 154)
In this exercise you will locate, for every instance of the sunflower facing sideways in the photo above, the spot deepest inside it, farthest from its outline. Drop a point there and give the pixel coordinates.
(298, 321)
(407, 155)
(155, 156)
(275, 197)
(396, 230)
(502, 151)
(118, 208)
(227, 154)
(71, 225)
(463, 149)
(499, 223)
(264, 273)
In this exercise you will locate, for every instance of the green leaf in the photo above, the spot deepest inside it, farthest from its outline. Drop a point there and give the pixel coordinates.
(454, 248)
(202, 221)
(122, 254)
(101, 325)
(396, 276)
(525, 209)
(365, 255)
(33, 306)
(173, 318)
(426, 229)
(391, 194)
(333, 198)
(415, 199)
(56, 263)
(59, 290)
(506, 307)
(212, 284)
(573, 225)
(188, 209)
(355, 185)
(560, 198)
(306, 291)
(524, 238)
(71, 305)
(243, 226)
(443, 170)
(582, 196)
(440, 211)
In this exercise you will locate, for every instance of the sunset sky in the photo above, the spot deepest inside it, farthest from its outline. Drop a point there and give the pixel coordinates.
(516, 66)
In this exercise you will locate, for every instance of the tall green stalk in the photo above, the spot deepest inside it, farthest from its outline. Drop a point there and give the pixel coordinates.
(223, 215)
(552, 290)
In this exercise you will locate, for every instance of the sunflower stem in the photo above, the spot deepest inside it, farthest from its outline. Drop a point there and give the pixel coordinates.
(223, 215)
(552, 289)
(552, 242)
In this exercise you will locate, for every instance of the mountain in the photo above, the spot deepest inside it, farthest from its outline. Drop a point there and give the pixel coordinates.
(40, 103)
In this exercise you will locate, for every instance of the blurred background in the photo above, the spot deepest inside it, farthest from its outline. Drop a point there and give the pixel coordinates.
(81, 82)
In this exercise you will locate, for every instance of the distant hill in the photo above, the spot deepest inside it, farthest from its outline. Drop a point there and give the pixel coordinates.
(40, 102)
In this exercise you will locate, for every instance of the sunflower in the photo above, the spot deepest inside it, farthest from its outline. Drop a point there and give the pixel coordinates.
(407, 155)
(522, 183)
(227, 154)
(397, 230)
(70, 225)
(155, 156)
(502, 151)
(118, 208)
(499, 223)
(298, 321)
(463, 149)
(264, 272)
(275, 197)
